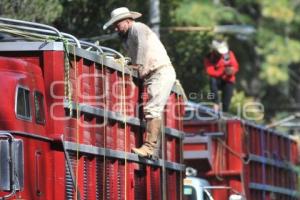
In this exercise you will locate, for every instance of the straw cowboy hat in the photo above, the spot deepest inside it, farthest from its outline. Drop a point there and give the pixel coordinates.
(220, 46)
(119, 14)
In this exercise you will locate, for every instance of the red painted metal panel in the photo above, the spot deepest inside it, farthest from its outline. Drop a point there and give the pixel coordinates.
(275, 147)
(282, 148)
(221, 194)
(168, 148)
(86, 80)
(148, 183)
(200, 127)
(122, 182)
(59, 175)
(134, 137)
(179, 112)
(100, 87)
(257, 195)
(294, 152)
(140, 184)
(53, 70)
(156, 186)
(19, 73)
(87, 129)
(111, 135)
(92, 179)
(114, 94)
(98, 177)
(100, 132)
(100, 182)
(173, 189)
(254, 145)
(235, 135)
(268, 150)
(170, 111)
(111, 78)
(239, 142)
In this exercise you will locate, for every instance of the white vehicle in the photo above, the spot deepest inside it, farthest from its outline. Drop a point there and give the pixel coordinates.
(200, 189)
(196, 189)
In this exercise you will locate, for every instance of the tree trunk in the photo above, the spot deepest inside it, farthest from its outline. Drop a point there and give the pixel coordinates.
(294, 76)
(154, 16)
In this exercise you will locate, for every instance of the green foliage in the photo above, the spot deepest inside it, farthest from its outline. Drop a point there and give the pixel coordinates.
(85, 18)
(266, 57)
(204, 13)
(273, 75)
(194, 13)
(276, 47)
(279, 10)
(246, 107)
(187, 59)
(32, 10)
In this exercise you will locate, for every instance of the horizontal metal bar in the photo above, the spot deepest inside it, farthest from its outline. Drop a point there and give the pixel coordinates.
(269, 161)
(119, 117)
(214, 134)
(26, 23)
(105, 113)
(43, 32)
(215, 187)
(174, 132)
(67, 35)
(99, 151)
(26, 134)
(196, 139)
(108, 61)
(31, 46)
(266, 129)
(291, 124)
(84, 43)
(112, 51)
(285, 191)
(196, 155)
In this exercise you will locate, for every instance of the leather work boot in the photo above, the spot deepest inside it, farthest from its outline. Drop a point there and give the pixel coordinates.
(151, 146)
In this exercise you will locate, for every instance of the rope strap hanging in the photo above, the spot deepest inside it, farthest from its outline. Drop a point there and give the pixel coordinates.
(105, 123)
(121, 61)
(67, 81)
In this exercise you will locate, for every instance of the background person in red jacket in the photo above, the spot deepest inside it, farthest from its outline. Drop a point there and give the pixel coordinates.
(221, 65)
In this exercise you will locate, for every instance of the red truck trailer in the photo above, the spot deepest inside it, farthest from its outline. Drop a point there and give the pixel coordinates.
(69, 118)
(238, 158)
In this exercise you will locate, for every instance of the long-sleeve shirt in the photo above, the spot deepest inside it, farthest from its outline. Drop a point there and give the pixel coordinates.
(215, 66)
(145, 49)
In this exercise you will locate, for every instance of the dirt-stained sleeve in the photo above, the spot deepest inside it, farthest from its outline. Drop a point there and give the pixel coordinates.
(140, 34)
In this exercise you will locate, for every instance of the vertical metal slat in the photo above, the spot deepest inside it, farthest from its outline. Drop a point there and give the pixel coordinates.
(69, 181)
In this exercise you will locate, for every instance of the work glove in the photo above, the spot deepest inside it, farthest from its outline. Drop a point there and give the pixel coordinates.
(134, 67)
